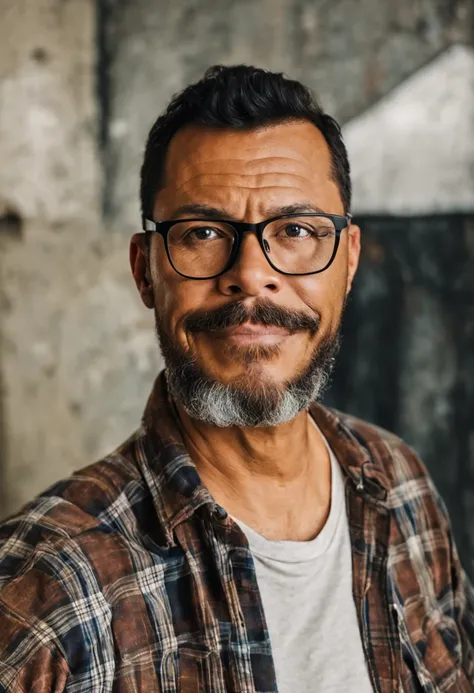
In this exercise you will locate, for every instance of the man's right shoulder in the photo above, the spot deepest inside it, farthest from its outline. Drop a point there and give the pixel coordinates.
(60, 556)
(73, 508)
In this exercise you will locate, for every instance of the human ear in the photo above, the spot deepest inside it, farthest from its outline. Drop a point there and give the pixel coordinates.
(140, 269)
(353, 254)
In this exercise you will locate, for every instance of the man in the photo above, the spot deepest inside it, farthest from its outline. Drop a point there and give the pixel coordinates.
(245, 538)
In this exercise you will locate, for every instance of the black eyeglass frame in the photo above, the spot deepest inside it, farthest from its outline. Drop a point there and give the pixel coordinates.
(240, 227)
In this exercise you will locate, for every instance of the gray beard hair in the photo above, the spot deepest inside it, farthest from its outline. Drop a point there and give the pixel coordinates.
(251, 400)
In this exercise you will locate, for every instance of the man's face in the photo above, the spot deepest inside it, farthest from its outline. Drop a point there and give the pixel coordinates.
(247, 175)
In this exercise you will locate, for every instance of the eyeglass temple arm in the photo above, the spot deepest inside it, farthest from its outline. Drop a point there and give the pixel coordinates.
(148, 224)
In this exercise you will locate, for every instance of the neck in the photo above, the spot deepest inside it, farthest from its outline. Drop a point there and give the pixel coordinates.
(276, 480)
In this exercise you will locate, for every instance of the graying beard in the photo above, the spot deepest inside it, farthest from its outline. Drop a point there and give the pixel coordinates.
(250, 406)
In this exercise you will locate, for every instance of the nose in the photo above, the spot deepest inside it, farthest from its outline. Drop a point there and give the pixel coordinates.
(251, 274)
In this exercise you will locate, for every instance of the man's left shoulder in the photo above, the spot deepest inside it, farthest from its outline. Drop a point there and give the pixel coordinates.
(412, 496)
(387, 451)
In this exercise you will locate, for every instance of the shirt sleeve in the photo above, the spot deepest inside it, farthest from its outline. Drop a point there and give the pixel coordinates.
(463, 593)
(27, 664)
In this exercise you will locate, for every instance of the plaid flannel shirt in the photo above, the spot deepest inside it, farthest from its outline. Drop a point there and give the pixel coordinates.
(128, 577)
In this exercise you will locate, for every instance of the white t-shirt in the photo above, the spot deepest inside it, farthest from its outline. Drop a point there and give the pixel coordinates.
(306, 590)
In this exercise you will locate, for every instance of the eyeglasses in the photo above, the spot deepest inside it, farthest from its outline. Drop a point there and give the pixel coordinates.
(293, 244)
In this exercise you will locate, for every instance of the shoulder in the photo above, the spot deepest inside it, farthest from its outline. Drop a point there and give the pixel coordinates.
(58, 557)
(432, 598)
(398, 460)
(96, 501)
(77, 503)
(65, 532)
(412, 496)
(49, 531)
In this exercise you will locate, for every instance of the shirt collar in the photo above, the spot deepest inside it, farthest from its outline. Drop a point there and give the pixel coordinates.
(351, 441)
(166, 465)
(173, 479)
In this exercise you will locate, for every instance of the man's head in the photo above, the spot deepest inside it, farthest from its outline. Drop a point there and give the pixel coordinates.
(247, 318)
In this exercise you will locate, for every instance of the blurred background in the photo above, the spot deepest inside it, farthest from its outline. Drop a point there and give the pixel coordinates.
(81, 83)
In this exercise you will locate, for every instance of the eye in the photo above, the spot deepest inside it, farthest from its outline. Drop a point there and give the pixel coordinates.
(204, 233)
(297, 231)
(199, 233)
(302, 232)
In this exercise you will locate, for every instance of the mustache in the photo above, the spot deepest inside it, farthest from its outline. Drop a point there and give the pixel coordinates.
(262, 312)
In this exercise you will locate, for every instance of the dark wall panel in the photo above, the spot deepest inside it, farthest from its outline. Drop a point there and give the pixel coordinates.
(407, 360)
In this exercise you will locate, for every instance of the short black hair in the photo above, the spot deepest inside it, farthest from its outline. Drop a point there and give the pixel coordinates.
(240, 97)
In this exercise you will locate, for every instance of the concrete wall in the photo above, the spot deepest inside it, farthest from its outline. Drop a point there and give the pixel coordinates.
(80, 83)
(49, 179)
(351, 52)
(412, 153)
(74, 342)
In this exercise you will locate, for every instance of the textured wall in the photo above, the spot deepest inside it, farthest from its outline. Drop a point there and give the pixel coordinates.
(412, 153)
(74, 341)
(351, 52)
(80, 83)
(49, 179)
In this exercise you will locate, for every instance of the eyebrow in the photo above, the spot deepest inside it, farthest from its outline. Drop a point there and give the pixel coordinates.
(210, 212)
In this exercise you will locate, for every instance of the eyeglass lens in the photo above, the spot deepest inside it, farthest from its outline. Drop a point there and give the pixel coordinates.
(295, 245)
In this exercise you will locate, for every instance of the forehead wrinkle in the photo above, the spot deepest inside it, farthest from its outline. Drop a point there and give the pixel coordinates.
(248, 187)
(260, 144)
(227, 166)
(240, 182)
(271, 193)
(248, 162)
(240, 171)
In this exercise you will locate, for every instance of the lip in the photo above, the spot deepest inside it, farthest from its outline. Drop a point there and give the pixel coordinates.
(248, 334)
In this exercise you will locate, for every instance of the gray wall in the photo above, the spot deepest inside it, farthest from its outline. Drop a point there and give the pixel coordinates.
(351, 52)
(80, 84)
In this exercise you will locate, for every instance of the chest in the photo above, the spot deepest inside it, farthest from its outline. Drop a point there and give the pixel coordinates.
(311, 616)
(194, 620)
(191, 623)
